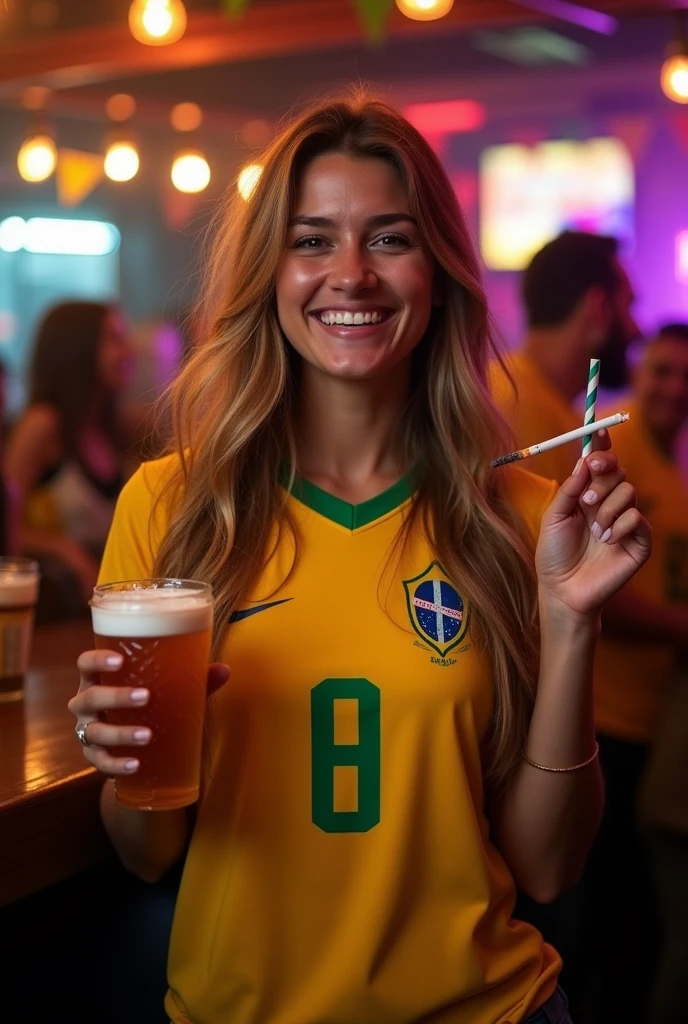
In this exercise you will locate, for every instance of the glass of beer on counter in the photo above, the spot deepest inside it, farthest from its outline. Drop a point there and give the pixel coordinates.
(163, 630)
(19, 582)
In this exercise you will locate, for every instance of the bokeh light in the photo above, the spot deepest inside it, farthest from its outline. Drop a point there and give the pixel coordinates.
(121, 161)
(425, 10)
(186, 117)
(37, 158)
(248, 179)
(120, 107)
(190, 171)
(674, 78)
(157, 22)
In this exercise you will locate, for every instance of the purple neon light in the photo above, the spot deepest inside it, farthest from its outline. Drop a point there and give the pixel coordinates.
(596, 21)
(682, 257)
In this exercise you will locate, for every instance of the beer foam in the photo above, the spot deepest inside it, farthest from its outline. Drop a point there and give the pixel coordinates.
(18, 590)
(159, 611)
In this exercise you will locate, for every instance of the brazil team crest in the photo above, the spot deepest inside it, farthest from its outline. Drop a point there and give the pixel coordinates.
(435, 609)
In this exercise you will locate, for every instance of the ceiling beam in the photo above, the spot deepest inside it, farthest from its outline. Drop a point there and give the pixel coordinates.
(89, 55)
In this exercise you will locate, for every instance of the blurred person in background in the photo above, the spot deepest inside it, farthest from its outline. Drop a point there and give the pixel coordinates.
(67, 453)
(644, 629)
(9, 503)
(578, 302)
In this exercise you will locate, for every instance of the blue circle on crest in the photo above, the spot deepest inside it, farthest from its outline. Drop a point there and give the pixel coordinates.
(438, 623)
(436, 609)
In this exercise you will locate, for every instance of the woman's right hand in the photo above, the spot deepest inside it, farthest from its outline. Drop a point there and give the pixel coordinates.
(95, 697)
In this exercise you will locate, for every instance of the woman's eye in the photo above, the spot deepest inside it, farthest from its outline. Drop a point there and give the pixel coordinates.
(310, 242)
(392, 241)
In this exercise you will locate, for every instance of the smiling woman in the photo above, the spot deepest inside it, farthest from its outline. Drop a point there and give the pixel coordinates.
(354, 288)
(376, 594)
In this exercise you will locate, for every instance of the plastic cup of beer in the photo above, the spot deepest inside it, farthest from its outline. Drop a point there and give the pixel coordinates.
(19, 582)
(163, 630)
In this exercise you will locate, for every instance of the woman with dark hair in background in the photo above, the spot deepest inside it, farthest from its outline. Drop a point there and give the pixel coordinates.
(66, 453)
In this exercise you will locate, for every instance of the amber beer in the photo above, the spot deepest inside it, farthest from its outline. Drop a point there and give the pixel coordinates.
(19, 582)
(163, 629)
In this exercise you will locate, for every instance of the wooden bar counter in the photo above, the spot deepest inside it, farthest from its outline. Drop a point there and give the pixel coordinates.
(49, 822)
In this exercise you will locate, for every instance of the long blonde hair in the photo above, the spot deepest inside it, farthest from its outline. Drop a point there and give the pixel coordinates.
(233, 408)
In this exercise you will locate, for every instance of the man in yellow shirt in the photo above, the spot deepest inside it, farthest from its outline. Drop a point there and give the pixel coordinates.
(578, 302)
(644, 630)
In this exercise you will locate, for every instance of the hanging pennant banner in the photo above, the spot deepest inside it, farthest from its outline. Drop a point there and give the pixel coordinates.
(76, 175)
(634, 130)
(374, 15)
(235, 7)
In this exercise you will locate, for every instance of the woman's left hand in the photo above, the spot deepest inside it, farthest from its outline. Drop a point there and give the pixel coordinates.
(593, 539)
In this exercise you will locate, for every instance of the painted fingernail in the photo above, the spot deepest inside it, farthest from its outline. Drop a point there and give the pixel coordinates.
(596, 530)
(606, 535)
(113, 660)
(130, 766)
(590, 497)
(138, 696)
(142, 735)
(578, 466)
(596, 465)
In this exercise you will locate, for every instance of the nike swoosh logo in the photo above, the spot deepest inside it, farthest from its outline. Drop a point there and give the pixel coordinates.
(246, 613)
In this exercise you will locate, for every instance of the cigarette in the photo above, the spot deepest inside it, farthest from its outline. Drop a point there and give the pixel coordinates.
(571, 435)
(590, 403)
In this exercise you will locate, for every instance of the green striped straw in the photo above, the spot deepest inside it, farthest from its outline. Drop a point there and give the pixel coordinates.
(590, 402)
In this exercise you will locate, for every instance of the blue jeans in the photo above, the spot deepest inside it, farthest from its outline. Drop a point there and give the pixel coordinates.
(554, 1011)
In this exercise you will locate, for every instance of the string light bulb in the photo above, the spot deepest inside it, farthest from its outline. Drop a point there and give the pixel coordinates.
(674, 78)
(425, 10)
(157, 22)
(37, 158)
(190, 171)
(121, 161)
(674, 74)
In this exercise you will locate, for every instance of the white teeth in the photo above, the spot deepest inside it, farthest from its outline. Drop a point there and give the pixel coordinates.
(348, 319)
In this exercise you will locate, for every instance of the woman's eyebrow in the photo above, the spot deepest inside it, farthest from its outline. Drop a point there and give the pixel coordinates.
(377, 221)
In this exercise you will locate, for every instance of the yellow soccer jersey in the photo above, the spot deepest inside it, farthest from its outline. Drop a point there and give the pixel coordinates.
(341, 868)
(535, 414)
(631, 673)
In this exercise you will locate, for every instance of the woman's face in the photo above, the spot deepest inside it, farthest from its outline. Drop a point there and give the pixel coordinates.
(355, 285)
(116, 355)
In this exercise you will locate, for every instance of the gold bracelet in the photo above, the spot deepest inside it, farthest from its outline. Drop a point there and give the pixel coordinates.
(573, 768)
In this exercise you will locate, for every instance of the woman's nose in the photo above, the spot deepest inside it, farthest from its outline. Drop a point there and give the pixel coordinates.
(351, 271)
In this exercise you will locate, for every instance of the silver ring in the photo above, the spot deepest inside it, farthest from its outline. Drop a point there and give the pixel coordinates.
(80, 731)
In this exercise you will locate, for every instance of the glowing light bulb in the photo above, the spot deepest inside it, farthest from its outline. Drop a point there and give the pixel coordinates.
(121, 161)
(674, 77)
(248, 179)
(425, 10)
(37, 158)
(190, 171)
(157, 22)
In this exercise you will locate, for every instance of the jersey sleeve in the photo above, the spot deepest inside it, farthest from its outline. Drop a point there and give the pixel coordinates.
(138, 525)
